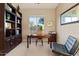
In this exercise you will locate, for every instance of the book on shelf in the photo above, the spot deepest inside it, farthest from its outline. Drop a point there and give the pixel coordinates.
(17, 32)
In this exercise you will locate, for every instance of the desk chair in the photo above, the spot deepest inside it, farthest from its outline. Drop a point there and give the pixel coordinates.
(39, 38)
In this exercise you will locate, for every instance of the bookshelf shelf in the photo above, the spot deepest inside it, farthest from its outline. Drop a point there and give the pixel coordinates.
(10, 21)
(10, 12)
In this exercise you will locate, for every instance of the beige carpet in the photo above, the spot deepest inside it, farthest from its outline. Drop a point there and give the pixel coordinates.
(33, 50)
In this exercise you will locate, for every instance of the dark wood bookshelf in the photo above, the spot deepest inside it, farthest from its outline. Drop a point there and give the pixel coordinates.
(10, 27)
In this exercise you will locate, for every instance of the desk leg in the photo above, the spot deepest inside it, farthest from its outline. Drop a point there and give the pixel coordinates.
(51, 44)
(27, 42)
(48, 41)
(30, 40)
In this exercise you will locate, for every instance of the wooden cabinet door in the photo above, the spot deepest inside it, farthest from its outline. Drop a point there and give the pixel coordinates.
(52, 38)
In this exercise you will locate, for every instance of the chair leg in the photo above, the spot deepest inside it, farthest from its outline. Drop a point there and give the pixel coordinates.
(48, 42)
(36, 42)
(42, 42)
(30, 40)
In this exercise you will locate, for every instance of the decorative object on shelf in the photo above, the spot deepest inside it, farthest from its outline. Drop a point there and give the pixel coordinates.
(8, 16)
(18, 21)
(18, 8)
(8, 8)
(8, 25)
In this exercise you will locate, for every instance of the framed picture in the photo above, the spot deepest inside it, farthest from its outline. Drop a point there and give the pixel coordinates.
(70, 16)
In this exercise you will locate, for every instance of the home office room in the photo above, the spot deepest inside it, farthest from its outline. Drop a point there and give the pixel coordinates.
(39, 29)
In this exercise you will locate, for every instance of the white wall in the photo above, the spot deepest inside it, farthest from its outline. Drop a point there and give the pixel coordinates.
(48, 14)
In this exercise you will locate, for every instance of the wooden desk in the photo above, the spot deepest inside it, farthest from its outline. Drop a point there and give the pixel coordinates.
(51, 38)
(34, 36)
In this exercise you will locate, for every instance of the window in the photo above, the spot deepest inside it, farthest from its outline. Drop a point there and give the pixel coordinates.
(35, 22)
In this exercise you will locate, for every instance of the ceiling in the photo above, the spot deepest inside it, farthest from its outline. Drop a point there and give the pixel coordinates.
(37, 5)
